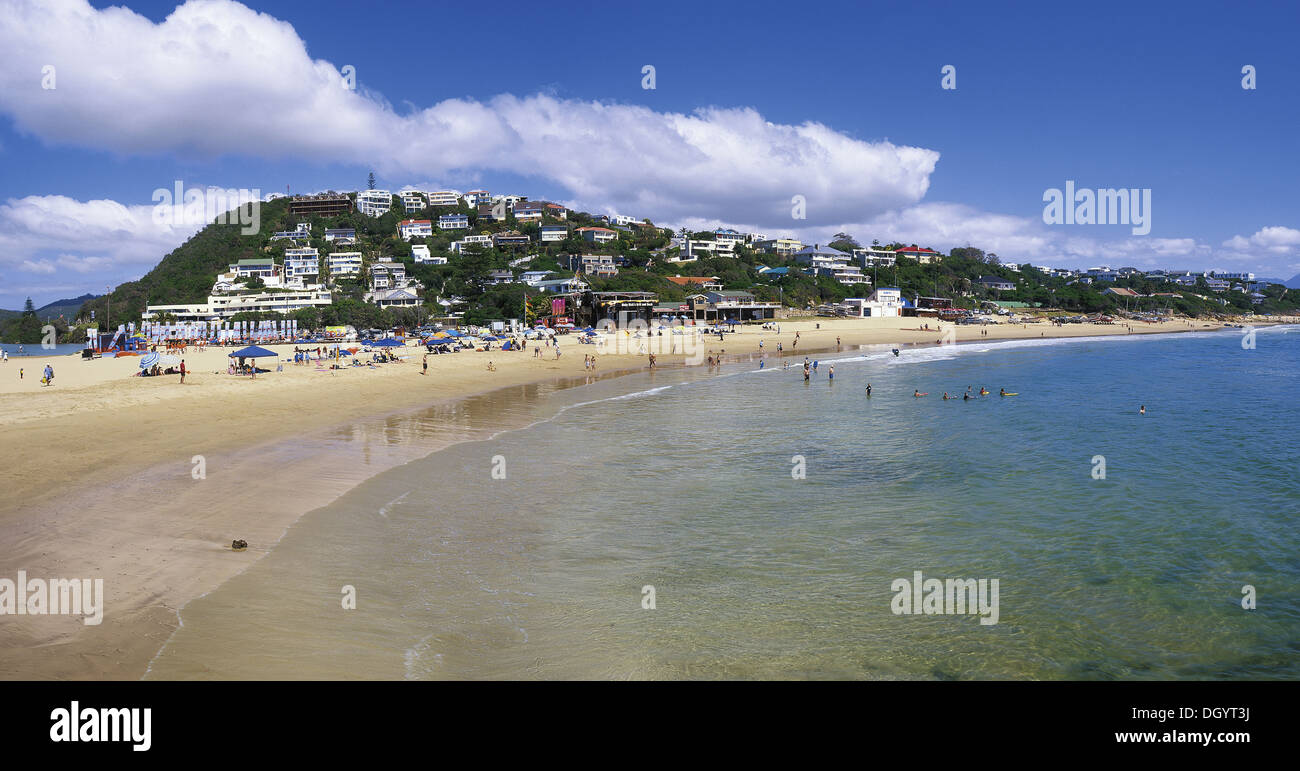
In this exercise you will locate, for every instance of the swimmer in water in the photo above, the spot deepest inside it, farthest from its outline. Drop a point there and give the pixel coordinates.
(868, 389)
(1143, 411)
(916, 393)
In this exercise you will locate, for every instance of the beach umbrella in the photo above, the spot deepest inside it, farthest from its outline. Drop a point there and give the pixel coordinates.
(252, 352)
(492, 338)
(149, 359)
(168, 360)
(388, 342)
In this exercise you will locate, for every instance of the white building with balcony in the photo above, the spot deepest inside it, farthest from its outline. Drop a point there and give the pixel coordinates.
(374, 203)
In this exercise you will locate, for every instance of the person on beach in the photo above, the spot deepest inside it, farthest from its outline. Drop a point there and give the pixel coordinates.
(814, 367)
(20, 373)
(837, 340)
(557, 351)
(491, 367)
(49, 375)
(652, 361)
(425, 369)
(182, 372)
(831, 373)
(762, 362)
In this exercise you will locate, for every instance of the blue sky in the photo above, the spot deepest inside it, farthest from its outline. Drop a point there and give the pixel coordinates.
(549, 104)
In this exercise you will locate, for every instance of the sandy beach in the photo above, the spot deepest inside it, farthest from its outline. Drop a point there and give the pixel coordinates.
(101, 470)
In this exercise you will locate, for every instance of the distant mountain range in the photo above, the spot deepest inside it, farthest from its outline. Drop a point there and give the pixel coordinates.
(1290, 283)
(65, 308)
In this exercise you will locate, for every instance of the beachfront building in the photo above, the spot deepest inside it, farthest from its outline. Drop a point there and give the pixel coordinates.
(556, 210)
(477, 197)
(884, 302)
(412, 201)
(783, 247)
(453, 222)
(728, 305)
(409, 229)
(342, 236)
(600, 265)
(1217, 284)
(921, 255)
(301, 265)
(481, 241)
(621, 308)
(341, 264)
(531, 277)
(301, 233)
(597, 235)
(400, 297)
(374, 203)
(489, 213)
(553, 233)
(220, 307)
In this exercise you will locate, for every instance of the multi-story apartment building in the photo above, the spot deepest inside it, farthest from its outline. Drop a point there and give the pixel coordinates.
(444, 198)
(341, 264)
(374, 203)
(412, 201)
(301, 264)
(453, 222)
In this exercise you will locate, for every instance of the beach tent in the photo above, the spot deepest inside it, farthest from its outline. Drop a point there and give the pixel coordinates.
(253, 352)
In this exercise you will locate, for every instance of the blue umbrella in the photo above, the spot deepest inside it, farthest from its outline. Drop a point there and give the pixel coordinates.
(388, 342)
(252, 352)
(491, 338)
(149, 359)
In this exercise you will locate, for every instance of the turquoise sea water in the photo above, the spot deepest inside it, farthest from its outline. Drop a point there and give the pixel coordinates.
(681, 480)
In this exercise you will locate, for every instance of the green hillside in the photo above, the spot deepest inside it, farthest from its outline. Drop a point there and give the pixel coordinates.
(187, 273)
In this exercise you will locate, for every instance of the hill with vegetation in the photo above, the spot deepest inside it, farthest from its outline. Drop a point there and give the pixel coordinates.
(187, 273)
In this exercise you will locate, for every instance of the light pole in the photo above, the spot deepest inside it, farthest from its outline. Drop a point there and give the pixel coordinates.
(108, 312)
